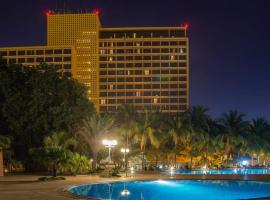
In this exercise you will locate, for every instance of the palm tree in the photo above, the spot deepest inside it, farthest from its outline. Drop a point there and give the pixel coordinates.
(93, 130)
(259, 137)
(4, 144)
(197, 125)
(126, 120)
(234, 132)
(176, 126)
(145, 130)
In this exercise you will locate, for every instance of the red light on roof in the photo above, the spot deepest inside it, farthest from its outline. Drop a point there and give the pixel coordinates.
(96, 11)
(186, 25)
(48, 13)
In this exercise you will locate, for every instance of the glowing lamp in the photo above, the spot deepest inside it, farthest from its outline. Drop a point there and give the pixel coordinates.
(124, 150)
(109, 143)
(245, 162)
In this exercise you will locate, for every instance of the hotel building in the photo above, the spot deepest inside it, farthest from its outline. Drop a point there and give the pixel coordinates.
(147, 67)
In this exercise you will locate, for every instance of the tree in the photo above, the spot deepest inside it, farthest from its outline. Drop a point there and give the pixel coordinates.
(38, 101)
(259, 137)
(56, 152)
(176, 127)
(94, 128)
(198, 124)
(145, 130)
(234, 130)
(4, 144)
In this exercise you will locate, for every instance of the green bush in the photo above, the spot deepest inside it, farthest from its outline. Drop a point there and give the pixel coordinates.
(51, 178)
(110, 173)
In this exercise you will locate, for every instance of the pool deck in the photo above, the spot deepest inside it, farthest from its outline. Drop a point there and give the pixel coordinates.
(26, 187)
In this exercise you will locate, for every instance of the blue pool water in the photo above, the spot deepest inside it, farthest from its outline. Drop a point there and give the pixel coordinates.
(227, 171)
(175, 190)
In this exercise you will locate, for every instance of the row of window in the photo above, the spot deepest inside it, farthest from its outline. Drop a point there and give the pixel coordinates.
(39, 60)
(146, 86)
(141, 72)
(138, 79)
(142, 34)
(154, 100)
(140, 44)
(153, 93)
(145, 79)
(35, 52)
(148, 107)
(129, 58)
(137, 51)
(145, 64)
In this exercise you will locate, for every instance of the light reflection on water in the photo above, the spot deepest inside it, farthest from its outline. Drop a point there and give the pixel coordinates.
(175, 190)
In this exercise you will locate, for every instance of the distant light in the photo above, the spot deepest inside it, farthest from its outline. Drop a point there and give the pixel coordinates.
(186, 25)
(96, 11)
(48, 13)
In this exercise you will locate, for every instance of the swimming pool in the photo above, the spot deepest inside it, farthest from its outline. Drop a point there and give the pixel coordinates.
(175, 190)
(226, 171)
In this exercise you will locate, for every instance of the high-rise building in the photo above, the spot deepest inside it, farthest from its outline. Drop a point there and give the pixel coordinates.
(147, 67)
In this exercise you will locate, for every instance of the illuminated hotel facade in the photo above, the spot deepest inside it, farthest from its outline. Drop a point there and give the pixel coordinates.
(147, 67)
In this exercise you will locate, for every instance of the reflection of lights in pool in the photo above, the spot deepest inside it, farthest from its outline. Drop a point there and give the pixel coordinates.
(163, 182)
(175, 190)
(125, 193)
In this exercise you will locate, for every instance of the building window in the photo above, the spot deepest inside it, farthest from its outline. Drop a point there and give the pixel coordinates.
(111, 51)
(102, 51)
(146, 72)
(39, 52)
(102, 101)
(111, 87)
(172, 57)
(110, 59)
(12, 53)
(155, 100)
(138, 94)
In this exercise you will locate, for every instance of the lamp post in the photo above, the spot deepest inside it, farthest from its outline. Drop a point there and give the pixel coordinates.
(125, 151)
(109, 144)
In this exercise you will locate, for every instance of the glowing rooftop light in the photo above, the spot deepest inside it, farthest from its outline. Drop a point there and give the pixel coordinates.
(48, 13)
(186, 25)
(96, 11)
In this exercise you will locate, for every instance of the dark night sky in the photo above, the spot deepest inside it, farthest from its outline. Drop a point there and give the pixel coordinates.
(229, 42)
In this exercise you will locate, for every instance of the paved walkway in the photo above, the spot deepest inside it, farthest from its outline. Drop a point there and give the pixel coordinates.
(25, 187)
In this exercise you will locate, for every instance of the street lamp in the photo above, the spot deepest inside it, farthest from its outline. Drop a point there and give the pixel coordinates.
(109, 144)
(125, 151)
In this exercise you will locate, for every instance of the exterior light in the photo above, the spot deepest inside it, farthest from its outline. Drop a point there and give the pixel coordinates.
(109, 144)
(245, 163)
(172, 171)
(124, 150)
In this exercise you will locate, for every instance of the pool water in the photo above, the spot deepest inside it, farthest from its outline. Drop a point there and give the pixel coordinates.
(227, 171)
(175, 190)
